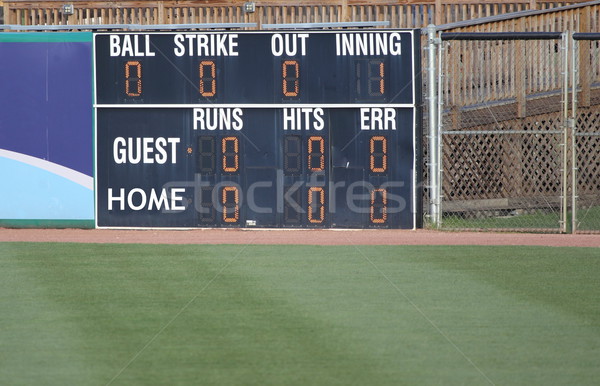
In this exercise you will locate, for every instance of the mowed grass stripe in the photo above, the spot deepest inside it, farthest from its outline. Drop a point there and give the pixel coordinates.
(78, 313)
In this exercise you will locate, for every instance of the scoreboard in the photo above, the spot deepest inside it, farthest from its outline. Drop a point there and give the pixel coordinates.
(258, 129)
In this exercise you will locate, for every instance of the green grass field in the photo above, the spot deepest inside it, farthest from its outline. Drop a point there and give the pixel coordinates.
(91, 314)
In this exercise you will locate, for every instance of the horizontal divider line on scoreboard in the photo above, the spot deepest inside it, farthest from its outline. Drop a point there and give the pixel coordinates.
(254, 106)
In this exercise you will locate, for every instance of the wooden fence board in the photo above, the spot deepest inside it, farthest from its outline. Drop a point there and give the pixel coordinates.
(407, 13)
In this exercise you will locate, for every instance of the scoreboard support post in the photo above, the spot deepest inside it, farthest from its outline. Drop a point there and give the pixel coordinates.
(258, 129)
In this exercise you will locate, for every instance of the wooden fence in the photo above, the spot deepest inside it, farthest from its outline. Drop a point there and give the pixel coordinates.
(400, 14)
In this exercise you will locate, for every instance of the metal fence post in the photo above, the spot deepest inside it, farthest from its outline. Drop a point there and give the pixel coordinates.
(440, 110)
(565, 117)
(434, 200)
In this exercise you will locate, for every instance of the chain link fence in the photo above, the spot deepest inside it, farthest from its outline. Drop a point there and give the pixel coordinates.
(502, 147)
(514, 141)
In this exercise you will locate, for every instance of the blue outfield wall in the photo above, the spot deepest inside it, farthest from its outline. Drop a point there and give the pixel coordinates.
(46, 130)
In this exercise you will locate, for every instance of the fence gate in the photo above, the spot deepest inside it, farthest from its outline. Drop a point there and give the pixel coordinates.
(503, 114)
(586, 149)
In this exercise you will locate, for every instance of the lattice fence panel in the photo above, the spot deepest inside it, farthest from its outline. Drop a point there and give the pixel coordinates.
(588, 170)
(587, 136)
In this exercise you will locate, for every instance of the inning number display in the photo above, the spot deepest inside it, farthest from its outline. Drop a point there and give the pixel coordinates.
(258, 129)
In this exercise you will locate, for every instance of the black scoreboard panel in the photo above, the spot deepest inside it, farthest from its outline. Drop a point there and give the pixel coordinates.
(265, 129)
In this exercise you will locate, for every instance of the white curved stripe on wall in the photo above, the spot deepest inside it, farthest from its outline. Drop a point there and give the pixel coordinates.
(62, 171)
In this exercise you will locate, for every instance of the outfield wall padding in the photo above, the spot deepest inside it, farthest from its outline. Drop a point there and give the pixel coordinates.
(46, 130)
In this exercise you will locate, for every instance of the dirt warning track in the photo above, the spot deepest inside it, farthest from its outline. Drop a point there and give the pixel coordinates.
(297, 236)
